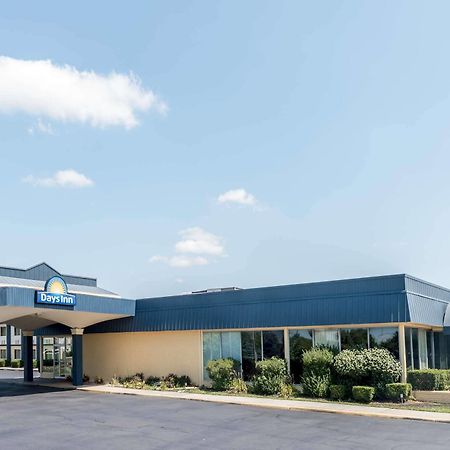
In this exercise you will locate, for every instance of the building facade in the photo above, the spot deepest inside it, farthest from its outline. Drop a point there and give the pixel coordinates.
(103, 335)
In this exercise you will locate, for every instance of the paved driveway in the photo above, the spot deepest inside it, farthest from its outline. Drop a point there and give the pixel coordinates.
(44, 418)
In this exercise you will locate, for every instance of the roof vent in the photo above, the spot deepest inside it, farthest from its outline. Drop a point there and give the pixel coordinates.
(224, 289)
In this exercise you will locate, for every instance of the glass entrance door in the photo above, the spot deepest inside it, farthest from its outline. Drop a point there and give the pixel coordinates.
(56, 357)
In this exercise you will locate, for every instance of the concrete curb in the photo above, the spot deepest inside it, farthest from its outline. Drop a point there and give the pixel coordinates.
(292, 405)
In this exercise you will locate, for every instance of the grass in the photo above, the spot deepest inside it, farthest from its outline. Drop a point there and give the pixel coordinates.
(411, 405)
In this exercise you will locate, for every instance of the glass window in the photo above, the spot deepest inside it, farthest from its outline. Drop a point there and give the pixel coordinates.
(273, 344)
(353, 338)
(385, 338)
(220, 345)
(16, 353)
(415, 348)
(430, 347)
(326, 338)
(3, 353)
(409, 350)
(3, 330)
(251, 352)
(423, 350)
(299, 341)
(16, 331)
(211, 349)
(441, 350)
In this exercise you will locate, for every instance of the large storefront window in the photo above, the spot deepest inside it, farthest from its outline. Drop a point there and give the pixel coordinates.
(353, 338)
(299, 342)
(385, 338)
(221, 345)
(251, 352)
(247, 347)
(56, 357)
(326, 338)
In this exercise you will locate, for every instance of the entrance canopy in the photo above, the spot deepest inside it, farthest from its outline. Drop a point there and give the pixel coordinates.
(19, 307)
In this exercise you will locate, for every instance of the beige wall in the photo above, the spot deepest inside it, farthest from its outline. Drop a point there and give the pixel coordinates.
(160, 353)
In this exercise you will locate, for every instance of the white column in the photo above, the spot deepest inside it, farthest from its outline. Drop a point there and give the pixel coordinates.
(402, 351)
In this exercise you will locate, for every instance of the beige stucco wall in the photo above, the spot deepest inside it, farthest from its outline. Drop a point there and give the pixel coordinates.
(160, 353)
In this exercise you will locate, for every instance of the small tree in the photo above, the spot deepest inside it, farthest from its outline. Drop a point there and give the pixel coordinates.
(222, 372)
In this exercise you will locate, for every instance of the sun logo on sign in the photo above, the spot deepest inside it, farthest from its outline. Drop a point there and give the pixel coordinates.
(56, 285)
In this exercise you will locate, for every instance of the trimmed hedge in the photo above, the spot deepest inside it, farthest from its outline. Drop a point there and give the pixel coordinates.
(429, 379)
(16, 363)
(338, 392)
(2, 362)
(394, 391)
(363, 394)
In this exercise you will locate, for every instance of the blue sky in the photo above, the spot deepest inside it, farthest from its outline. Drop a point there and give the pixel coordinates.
(328, 122)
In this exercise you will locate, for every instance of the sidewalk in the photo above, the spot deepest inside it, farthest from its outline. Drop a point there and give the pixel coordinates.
(293, 405)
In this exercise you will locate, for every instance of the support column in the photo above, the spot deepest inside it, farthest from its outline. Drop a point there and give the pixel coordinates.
(8, 343)
(402, 351)
(77, 355)
(27, 355)
(38, 352)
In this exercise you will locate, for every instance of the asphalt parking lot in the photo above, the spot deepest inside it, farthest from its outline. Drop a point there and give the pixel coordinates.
(45, 418)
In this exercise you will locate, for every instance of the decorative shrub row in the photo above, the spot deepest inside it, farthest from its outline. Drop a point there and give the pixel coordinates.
(271, 377)
(16, 363)
(429, 379)
(317, 365)
(374, 367)
(138, 381)
(397, 391)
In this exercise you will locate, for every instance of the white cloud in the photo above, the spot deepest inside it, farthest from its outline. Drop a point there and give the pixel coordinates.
(41, 127)
(64, 93)
(238, 196)
(63, 178)
(181, 261)
(196, 240)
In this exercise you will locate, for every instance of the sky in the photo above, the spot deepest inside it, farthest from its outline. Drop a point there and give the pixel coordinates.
(165, 147)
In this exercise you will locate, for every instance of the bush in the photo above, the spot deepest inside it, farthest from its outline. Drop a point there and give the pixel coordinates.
(271, 376)
(429, 379)
(2, 362)
(152, 381)
(316, 385)
(16, 363)
(316, 379)
(238, 386)
(222, 372)
(375, 367)
(363, 394)
(338, 392)
(99, 380)
(394, 391)
(35, 363)
(174, 381)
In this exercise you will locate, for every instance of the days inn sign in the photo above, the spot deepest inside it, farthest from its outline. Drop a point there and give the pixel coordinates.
(55, 293)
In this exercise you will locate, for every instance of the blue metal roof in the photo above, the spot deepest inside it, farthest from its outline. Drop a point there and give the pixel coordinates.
(384, 299)
(43, 272)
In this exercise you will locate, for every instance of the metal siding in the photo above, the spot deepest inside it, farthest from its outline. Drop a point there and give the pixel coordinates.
(367, 300)
(426, 311)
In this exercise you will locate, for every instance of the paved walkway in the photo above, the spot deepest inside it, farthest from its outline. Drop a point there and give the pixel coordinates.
(340, 408)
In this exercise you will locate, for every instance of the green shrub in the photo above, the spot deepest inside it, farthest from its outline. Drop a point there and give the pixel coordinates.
(271, 375)
(394, 391)
(316, 385)
(375, 367)
(338, 392)
(152, 381)
(222, 372)
(2, 362)
(238, 386)
(16, 363)
(35, 363)
(363, 394)
(287, 391)
(316, 379)
(429, 379)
